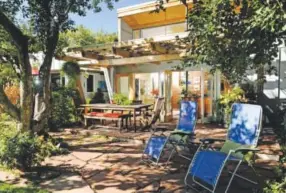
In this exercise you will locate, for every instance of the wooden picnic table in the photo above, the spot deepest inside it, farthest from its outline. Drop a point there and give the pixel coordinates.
(115, 107)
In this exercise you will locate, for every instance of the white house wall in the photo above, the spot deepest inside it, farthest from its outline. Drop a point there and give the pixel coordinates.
(125, 31)
(150, 67)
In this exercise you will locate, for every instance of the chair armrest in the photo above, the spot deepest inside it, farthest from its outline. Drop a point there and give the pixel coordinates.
(246, 150)
(211, 140)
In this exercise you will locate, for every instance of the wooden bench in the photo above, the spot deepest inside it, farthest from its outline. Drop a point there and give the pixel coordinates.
(108, 116)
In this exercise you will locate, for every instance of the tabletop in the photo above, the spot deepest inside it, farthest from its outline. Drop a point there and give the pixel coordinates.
(115, 106)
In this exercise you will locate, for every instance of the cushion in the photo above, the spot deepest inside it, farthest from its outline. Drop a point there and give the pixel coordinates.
(93, 113)
(113, 115)
(230, 145)
(99, 114)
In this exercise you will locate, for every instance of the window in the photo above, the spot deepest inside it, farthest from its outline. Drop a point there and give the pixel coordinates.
(175, 28)
(161, 30)
(55, 81)
(90, 84)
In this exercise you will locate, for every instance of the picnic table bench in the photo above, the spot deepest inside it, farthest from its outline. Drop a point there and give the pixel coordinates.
(120, 117)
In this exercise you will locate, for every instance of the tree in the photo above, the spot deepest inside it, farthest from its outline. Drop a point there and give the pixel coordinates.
(234, 36)
(81, 36)
(47, 18)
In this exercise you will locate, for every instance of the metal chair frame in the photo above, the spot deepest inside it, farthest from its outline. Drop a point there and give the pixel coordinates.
(239, 161)
(180, 143)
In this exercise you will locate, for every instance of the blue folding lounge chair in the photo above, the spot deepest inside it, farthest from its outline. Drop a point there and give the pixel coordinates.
(185, 130)
(243, 133)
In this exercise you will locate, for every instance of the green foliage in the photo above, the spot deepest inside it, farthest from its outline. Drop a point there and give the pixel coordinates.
(121, 99)
(81, 36)
(24, 150)
(234, 36)
(275, 187)
(221, 38)
(64, 104)
(46, 19)
(20, 150)
(226, 100)
(72, 70)
(8, 188)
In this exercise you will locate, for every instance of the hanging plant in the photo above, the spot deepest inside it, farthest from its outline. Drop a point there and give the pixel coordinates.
(72, 71)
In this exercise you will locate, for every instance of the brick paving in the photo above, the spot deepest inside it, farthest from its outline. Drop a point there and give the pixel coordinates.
(108, 164)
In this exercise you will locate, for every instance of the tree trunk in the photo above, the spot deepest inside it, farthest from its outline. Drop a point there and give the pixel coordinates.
(26, 93)
(260, 83)
(43, 104)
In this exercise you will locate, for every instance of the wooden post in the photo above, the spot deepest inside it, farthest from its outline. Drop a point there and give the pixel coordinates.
(131, 86)
(80, 90)
(202, 94)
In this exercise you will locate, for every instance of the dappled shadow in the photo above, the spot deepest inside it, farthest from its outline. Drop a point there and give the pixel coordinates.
(109, 165)
(66, 181)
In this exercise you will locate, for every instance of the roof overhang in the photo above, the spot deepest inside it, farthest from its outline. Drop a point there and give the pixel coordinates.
(142, 15)
(146, 7)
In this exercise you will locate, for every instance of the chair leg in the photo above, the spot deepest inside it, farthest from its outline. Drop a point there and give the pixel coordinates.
(85, 122)
(119, 124)
(232, 176)
(126, 122)
(171, 155)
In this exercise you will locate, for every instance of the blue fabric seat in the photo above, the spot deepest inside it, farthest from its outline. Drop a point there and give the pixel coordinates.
(207, 164)
(155, 145)
(186, 125)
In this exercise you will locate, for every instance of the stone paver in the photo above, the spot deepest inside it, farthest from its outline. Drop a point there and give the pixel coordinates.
(67, 183)
(114, 166)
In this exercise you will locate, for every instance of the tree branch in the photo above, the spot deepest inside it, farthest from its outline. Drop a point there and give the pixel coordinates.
(8, 107)
(69, 7)
(19, 38)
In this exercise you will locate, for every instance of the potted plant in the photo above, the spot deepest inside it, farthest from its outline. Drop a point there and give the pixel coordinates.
(155, 93)
(121, 99)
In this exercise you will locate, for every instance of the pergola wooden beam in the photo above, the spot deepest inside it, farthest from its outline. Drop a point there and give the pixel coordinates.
(134, 60)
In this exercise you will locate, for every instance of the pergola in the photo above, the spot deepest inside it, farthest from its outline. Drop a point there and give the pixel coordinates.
(155, 50)
(138, 51)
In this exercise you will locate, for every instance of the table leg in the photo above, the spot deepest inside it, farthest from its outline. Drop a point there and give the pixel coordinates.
(134, 119)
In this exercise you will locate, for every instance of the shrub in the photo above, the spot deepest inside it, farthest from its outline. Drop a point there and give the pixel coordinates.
(226, 100)
(19, 150)
(63, 111)
(276, 187)
(121, 99)
(23, 150)
(13, 94)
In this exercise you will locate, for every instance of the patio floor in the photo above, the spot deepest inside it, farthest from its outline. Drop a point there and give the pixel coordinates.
(112, 163)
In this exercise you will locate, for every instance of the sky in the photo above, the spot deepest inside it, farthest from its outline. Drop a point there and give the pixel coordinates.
(105, 20)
